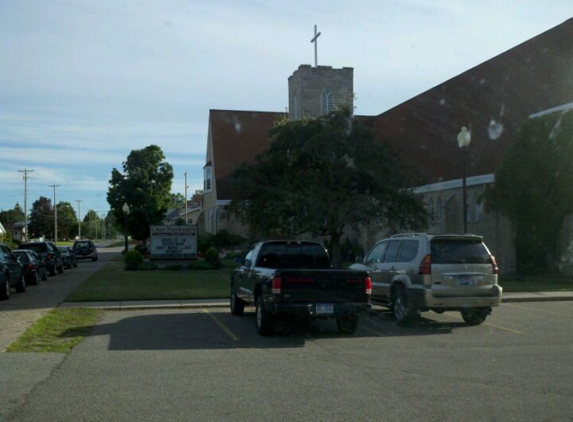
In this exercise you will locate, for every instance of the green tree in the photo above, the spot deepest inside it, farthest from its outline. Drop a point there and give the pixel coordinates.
(533, 189)
(92, 225)
(41, 219)
(321, 176)
(67, 220)
(177, 201)
(14, 215)
(145, 186)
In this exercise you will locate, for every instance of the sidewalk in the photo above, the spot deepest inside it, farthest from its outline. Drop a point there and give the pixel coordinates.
(220, 303)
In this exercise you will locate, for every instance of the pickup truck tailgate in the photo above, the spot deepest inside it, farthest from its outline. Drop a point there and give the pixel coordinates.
(322, 286)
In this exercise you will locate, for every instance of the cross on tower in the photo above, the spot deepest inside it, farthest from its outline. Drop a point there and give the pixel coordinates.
(315, 41)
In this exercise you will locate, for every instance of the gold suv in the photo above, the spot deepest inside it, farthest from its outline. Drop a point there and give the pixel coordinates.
(418, 272)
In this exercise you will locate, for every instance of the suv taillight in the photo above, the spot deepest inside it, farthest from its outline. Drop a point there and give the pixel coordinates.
(495, 268)
(425, 266)
(277, 282)
(49, 256)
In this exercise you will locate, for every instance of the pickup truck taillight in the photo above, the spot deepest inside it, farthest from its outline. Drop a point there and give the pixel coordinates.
(277, 282)
(368, 286)
(49, 256)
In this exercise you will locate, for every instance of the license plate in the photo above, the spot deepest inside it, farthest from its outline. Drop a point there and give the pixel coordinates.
(465, 280)
(324, 308)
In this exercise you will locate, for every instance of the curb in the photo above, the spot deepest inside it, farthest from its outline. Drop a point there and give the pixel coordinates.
(224, 303)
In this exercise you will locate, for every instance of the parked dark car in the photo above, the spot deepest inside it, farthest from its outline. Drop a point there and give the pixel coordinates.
(85, 249)
(11, 273)
(34, 268)
(49, 254)
(69, 256)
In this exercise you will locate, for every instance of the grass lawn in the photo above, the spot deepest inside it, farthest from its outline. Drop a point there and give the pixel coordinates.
(57, 332)
(536, 283)
(114, 283)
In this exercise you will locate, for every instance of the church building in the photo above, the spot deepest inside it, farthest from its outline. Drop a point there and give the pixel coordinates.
(492, 100)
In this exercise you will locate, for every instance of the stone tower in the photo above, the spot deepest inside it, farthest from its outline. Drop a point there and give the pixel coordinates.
(314, 91)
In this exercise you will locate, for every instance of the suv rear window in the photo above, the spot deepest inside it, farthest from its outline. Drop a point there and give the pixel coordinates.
(85, 244)
(454, 251)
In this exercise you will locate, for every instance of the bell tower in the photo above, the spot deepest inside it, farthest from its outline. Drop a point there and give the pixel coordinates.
(315, 91)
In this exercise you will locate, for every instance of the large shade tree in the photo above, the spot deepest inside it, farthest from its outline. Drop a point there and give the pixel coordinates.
(41, 219)
(145, 186)
(533, 189)
(321, 176)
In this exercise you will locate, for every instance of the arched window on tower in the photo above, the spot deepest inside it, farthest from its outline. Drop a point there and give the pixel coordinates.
(326, 102)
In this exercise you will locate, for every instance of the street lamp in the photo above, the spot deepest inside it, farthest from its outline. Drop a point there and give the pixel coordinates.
(464, 138)
(125, 209)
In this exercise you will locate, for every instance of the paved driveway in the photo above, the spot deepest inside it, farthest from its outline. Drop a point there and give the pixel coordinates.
(19, 373)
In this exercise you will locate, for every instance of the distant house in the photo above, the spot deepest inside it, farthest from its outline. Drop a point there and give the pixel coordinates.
(492, 100)
(19, 231)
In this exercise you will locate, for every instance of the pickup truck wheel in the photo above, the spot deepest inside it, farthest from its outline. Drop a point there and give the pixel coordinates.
(403, 311)
(265, 321)
(237, 305)
(347, 324)
(474, 316)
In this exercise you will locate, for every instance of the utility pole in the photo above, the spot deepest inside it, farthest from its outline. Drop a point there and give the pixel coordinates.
(186, 198)
(25, 231)
(79, 220)
(55, 216)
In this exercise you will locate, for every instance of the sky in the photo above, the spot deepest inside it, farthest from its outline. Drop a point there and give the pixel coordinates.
(85, 82)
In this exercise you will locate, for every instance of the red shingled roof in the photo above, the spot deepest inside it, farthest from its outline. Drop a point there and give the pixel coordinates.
(238, 136)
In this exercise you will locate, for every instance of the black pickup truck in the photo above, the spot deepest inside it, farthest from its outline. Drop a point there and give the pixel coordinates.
(296, 278)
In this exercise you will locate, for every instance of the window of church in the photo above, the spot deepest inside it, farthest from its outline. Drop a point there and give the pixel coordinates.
(431, 207)
(326, 102)
(477, 207)
(208, 179)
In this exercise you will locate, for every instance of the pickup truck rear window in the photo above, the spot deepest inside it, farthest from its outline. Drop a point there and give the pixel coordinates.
(297, 255)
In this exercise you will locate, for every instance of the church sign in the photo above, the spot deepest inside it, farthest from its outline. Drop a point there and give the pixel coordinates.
(173, 242)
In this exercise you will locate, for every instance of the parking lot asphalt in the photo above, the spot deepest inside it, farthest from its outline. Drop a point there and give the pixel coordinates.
(22, 372)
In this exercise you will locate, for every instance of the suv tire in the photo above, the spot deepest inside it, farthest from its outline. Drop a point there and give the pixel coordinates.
(21, 286)
(475, 316)
(402, 310)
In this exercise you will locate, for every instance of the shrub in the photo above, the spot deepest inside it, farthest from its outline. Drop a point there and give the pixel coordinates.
(132, 259)
(212, 257)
